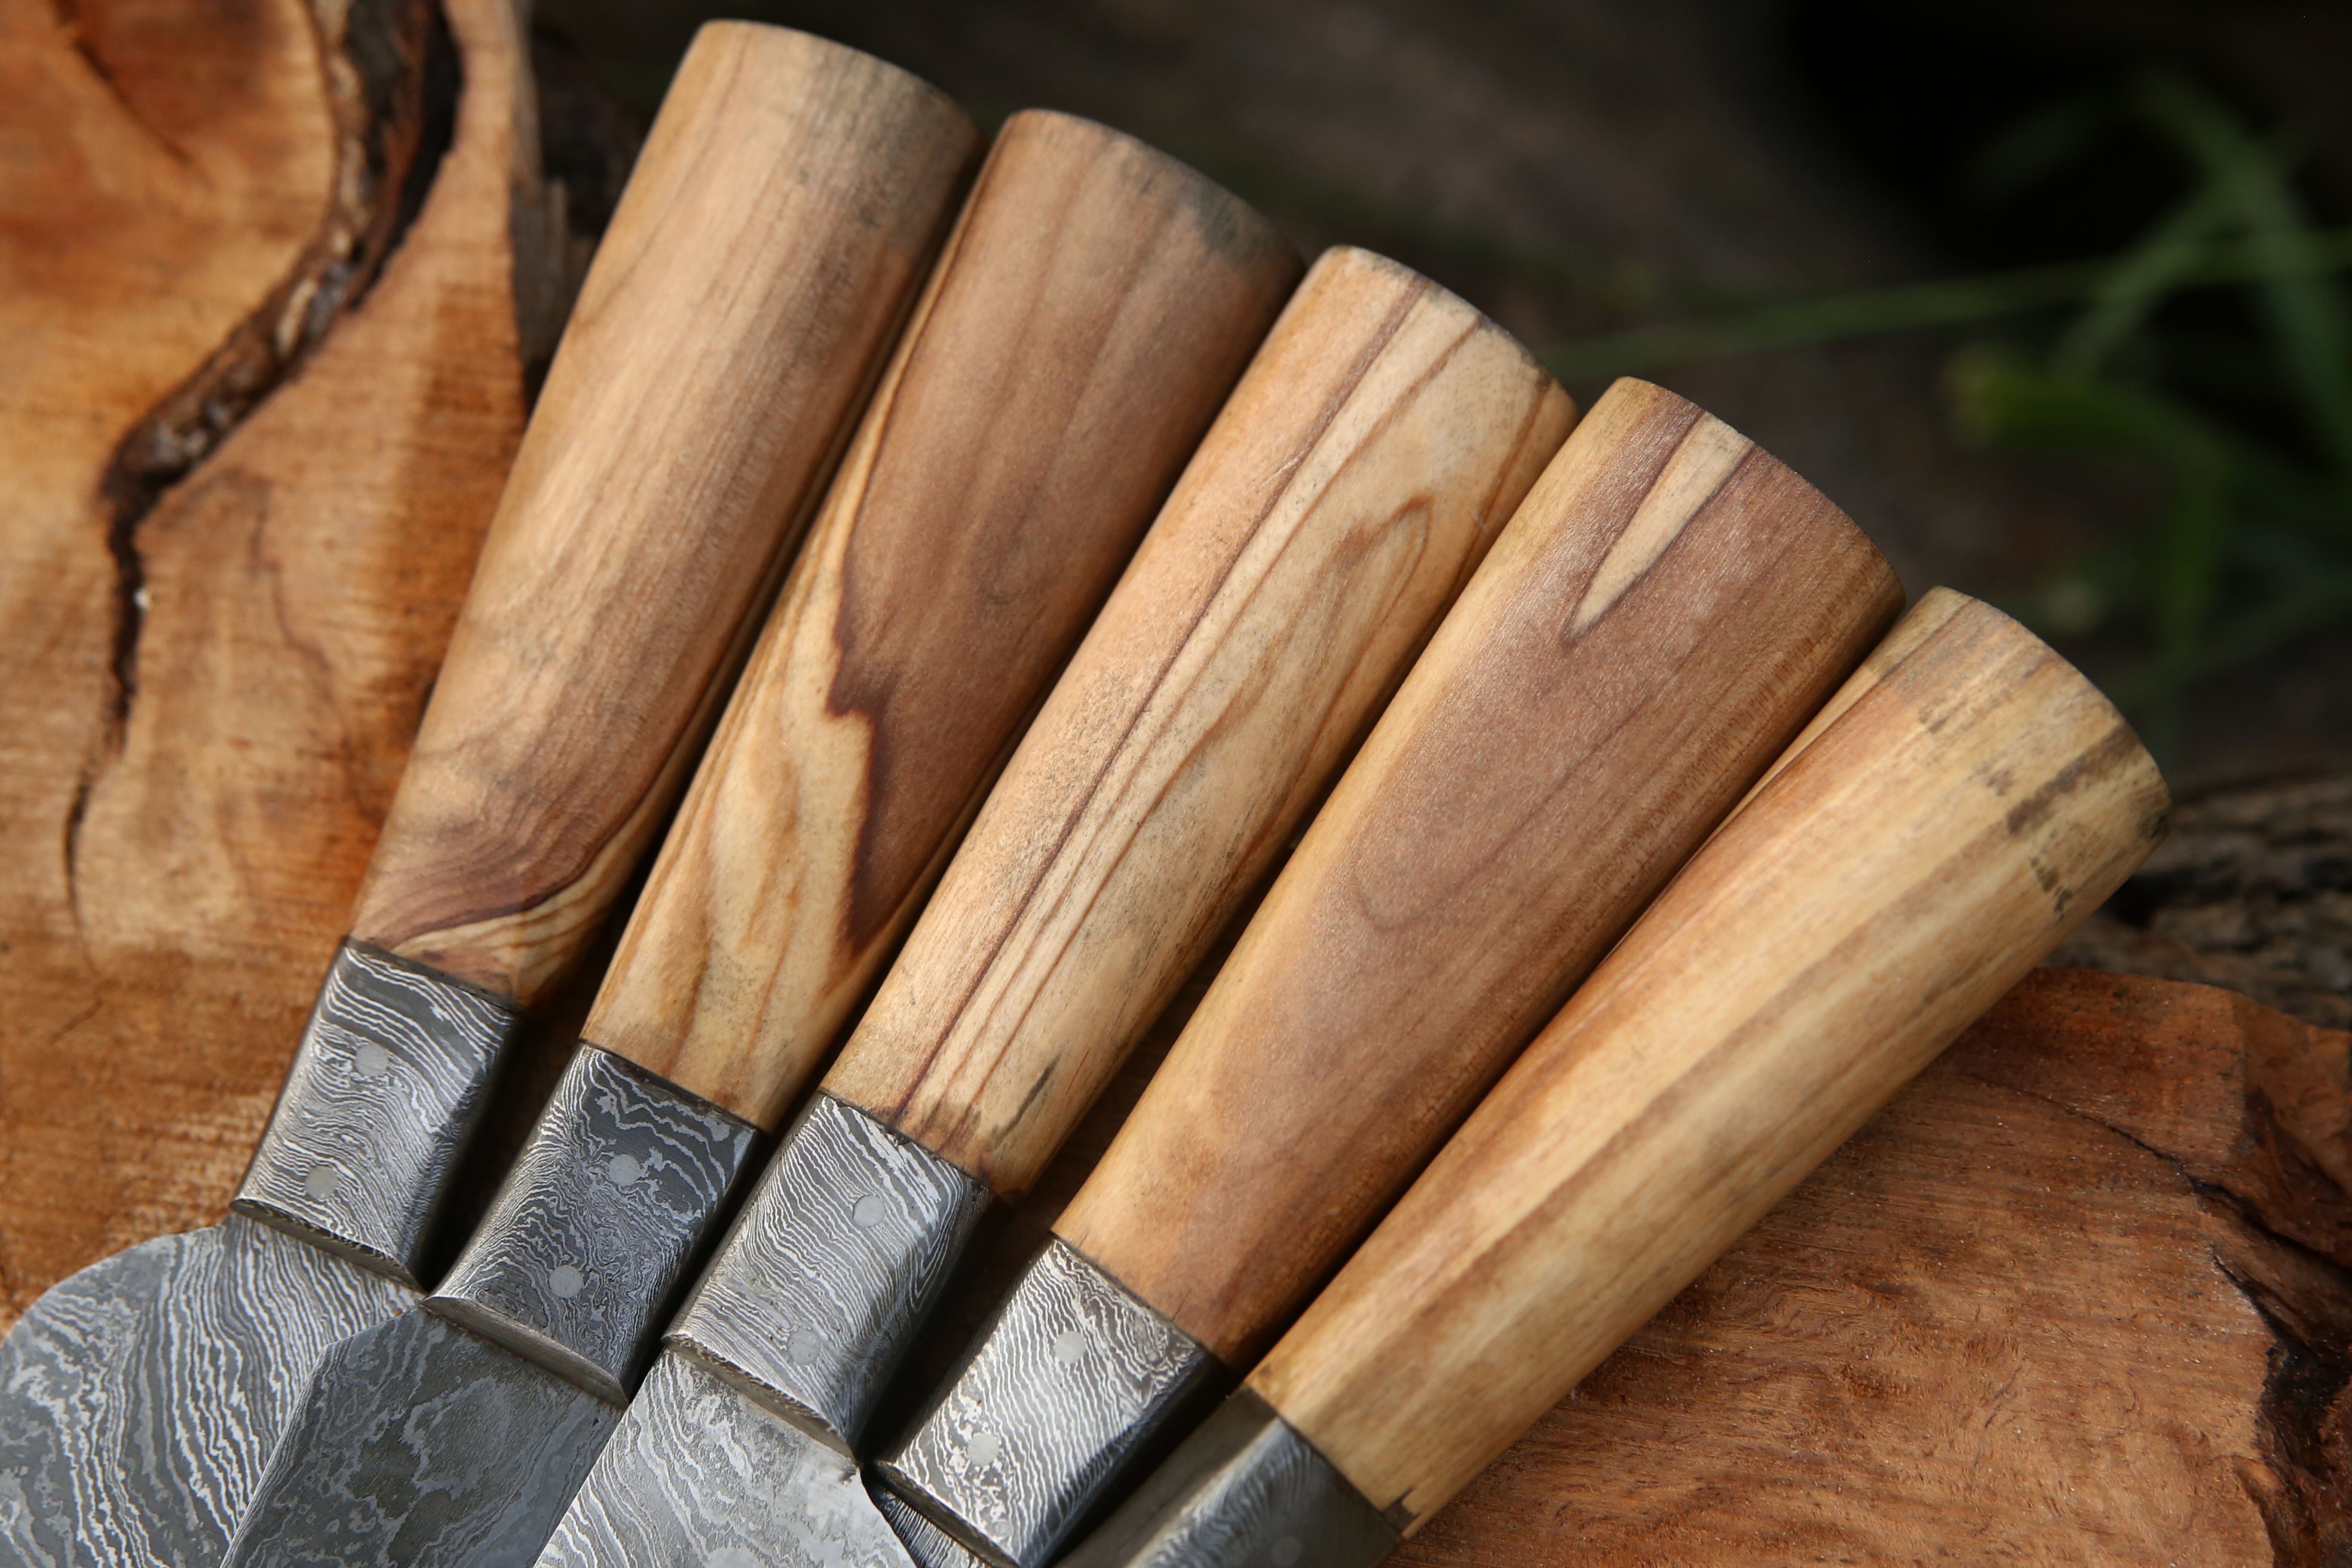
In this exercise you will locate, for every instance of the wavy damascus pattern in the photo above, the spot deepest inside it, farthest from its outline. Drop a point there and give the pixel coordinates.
(140, 1399)
(839, 1257)
(1244, 1491)
(386, 1090)
(423, 1445)
(700, 1476)
(931, 1546)
(1071, 1375)
(589, 1239)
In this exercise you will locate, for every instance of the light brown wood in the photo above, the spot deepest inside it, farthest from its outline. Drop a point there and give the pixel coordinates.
(2076, 1295)
(770, 240)
(1665, 611)
(207, 687)
(1377, 443)
(1920, 854)
(1093, 307)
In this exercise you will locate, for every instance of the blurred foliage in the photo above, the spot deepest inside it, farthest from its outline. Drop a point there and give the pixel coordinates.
(2248, 430)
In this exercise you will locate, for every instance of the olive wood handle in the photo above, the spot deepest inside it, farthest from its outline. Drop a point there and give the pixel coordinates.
(1092, 309)
(1970, 802)
(1343, 496)
(774, 234)
(1667, 608)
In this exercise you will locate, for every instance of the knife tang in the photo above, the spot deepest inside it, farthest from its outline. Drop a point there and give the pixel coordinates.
(770, 242)
(1093, 306)
(1346, 491)
(1663, 613)
(1969, 800)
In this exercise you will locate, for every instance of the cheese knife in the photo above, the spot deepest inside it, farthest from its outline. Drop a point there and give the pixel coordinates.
(770, 240)
(1347, 490)
(1092, 308)
(1961, 805)
(1667, 608)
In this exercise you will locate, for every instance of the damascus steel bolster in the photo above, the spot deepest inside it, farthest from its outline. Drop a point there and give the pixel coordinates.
(388, 1085)
(1071, 1377)
(591, 1236)
(1242, 1491)
(826, 1280)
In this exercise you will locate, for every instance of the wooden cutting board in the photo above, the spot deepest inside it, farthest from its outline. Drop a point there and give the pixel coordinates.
(2082, 1294)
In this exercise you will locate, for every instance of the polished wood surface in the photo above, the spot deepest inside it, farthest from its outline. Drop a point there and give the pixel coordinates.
(1666, 610)
(771, 238)
(1095, 305)
(1377, 443)
(1920, 853)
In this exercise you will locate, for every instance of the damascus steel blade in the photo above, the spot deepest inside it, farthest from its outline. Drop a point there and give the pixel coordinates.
(386, 1092)
(1244, 1490)
(839, 1258)
(1070, 1379)
(586, 1247)
(701, 1476)
(140, 1399)
(420, 1442)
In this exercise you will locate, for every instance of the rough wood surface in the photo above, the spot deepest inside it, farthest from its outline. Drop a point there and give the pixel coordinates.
(1666, 610)
(1091, 312)
(776, 230)
(208, 682)
(1374, 448)
(2082, 1294)
(1964, 803)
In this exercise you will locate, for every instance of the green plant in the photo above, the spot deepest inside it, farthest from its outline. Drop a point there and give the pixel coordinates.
(2252, 547)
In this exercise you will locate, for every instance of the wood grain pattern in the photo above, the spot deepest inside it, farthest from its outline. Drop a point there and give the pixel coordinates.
(1909, 865)
(1667, 608)
(1092, 310)
(1381, 437)
(771, 237)
(211, 681)
(2080, 1293)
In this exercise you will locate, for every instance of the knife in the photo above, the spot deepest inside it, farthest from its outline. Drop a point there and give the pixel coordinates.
(1667, 608)
(1961, 805)
(771, 239)
(1094, 305)
(1343, 495)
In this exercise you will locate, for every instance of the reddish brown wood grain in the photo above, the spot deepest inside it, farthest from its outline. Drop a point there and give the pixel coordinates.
(1665, 611)
(1091, 312)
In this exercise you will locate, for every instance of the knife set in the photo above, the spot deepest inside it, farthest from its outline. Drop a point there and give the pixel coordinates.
(1653, 852)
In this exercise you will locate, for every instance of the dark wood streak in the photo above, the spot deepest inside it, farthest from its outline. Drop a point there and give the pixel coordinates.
(912, 1079)
(1030, 533)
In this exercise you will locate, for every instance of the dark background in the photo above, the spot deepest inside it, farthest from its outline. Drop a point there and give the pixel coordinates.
(1578, 167)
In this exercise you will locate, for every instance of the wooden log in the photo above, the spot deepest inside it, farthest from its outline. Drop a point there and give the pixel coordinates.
(208, 686)
(2082, 1293)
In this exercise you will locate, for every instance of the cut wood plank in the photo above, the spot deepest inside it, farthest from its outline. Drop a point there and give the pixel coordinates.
(210, 691)
(2082, 1293)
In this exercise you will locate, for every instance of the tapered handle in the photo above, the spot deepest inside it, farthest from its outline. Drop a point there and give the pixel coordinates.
(1973, 800)
(1667, 608)
(770, 239)
(1092, 310)
(1360, 471)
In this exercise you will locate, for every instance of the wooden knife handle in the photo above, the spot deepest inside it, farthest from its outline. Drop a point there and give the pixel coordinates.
(1971, 803)
(1094, 305)
(1372, 449)
(1664, 612)
(770, 241)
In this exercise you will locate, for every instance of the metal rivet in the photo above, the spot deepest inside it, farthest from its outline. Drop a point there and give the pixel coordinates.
(732, 1557)
(1286, 1551)
(624, 1170)
(1070, 1346)
(803, 1346)
(983, 1447)
(370, 1060)
(320, 1182)
(565, 1281)
(869, 1211)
